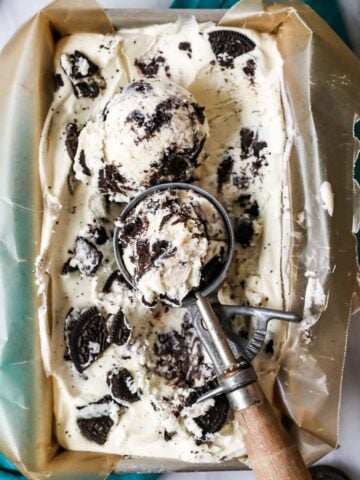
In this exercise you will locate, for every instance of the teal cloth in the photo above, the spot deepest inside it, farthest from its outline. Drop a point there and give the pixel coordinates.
(9, 472)
(331, 13)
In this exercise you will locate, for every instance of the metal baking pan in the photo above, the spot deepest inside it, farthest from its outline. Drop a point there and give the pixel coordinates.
(132, 18)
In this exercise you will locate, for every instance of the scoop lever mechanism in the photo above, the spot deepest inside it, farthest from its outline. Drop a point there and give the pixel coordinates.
(230, 353)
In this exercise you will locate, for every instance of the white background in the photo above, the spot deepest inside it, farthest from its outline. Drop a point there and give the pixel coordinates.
(12, 14)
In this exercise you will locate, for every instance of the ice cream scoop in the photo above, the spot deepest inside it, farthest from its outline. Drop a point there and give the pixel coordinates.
(172, 241)
(151, 132)
(271, 450)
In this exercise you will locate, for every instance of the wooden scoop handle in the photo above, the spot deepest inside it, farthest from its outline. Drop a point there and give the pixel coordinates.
(272, 452)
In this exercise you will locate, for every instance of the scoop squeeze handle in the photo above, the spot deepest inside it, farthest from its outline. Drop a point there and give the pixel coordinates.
(272, 453)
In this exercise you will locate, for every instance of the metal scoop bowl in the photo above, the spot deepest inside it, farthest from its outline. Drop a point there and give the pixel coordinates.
(215, 283)
(231, 356)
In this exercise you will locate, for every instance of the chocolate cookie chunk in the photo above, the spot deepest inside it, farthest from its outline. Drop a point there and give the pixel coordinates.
(87, 338)
(82, 161)
(244, 232)
(215, 418)
(140, 86)
(115, 276)
(186, 47)
(119, 330)
(95, 429)
(83, 74)
(168, 435)
(251, 207)
(121, 384)
(58, 82)
(96, 418)
(224, 172)
(111, 181)
(86, 259)
(228, 45)
(199, 112)
(249, 70)
(71, 143)
(99, 234)
(150, 68)
(251, 145)
(181, 360)
(175, 164)
(72, 138)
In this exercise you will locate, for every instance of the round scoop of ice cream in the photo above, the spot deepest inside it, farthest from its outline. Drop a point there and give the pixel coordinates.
(171, 242)
(151, 132)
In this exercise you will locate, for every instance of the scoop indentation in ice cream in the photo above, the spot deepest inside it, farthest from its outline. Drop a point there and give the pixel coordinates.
(151, 132)
(167, 240)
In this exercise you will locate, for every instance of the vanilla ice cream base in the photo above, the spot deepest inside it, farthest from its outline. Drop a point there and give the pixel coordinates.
(231, 102)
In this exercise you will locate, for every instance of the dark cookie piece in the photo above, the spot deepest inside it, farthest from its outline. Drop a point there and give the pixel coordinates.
(244, 232)
(224, 172)
(228, 45)
(148, 254)
(242, 181)
(72, 317)
(151, 68)
(324, 472)
(168, 435)
(87, 338)
(250, 69)
(95, 429)
(111, 181)
(215, 418)
(83, 74)
(250, 207)
(269, 347)
(99, 234)
(81, 66)
(176, 164)
(71, 140)
(71, 181)
(119, 331)
(186, 47)
(140, 86)
(161, 116)
(120, 381)
(181, 360)
(199, 112)
(149, 304)
(136, 117)
(85, 169)
(88, 256)
(113, 277)
(68, 267)
(251, 145)
(58, 82)
(132, 229)
(168, 300)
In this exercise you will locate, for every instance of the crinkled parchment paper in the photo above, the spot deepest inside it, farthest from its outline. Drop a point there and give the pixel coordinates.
(322, 80)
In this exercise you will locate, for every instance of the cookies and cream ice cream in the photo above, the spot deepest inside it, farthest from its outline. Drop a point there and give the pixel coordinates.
(151, 132)
(126, 375)
(168, 242)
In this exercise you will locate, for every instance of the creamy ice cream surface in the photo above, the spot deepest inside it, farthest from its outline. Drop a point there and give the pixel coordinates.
(152, 131)
(125, 374)
(168, 240)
